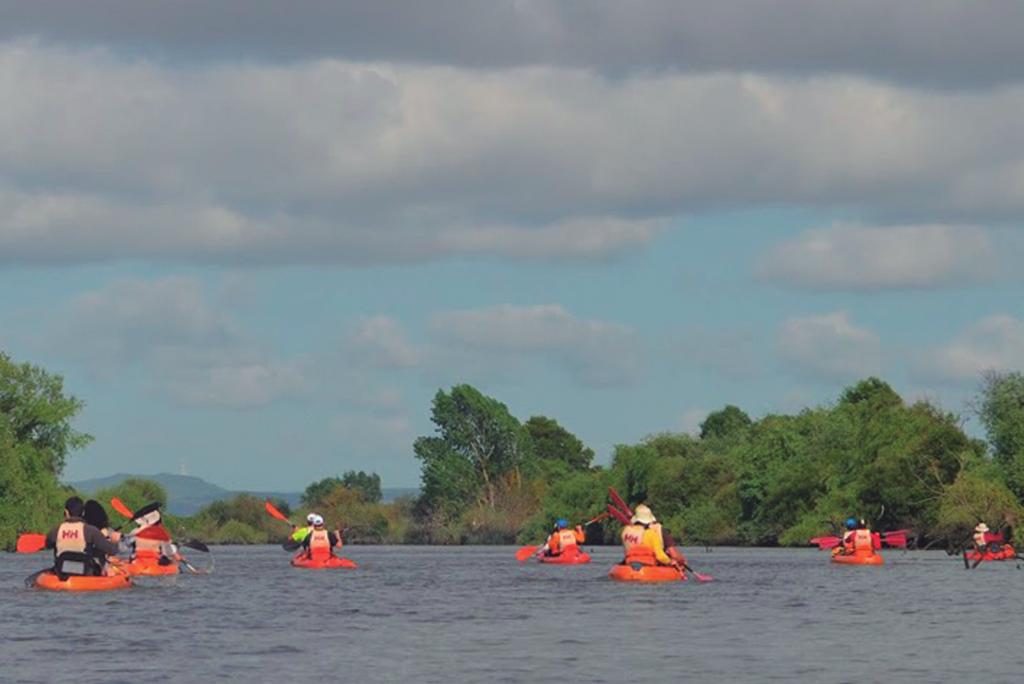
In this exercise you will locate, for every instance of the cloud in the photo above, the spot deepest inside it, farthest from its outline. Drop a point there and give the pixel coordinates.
(992, 343)
(934, 42)
(849, 257)
(380, 342)
(829, 347)
(190, 350)
(593, 352)
(357, 162)
(732, 354)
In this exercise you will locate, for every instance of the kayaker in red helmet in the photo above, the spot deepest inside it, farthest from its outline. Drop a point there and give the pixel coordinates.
(563, 539)
(320, 542)
(78, 547)
(643, 540)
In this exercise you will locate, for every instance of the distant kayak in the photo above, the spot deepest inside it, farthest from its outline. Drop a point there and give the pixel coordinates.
(146, 568)
(576, 557)
(646, 573)
(302, 561)
(858, 559)
(51, 582)
(1005, 552)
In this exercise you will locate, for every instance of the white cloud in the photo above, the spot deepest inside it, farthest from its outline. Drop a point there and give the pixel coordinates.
(107, 157)
(829, 347)
(992, 343)
(381, 342)
(593, 352)
(849, 257)
(187, 348)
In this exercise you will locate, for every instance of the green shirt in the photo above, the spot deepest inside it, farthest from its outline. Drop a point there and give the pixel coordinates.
(300, 534)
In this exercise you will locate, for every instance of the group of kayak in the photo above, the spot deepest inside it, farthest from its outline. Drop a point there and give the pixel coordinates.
(89, 555)
(858, 545)
(649, 551)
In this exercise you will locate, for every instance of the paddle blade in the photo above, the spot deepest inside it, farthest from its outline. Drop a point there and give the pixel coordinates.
(898, 541)
(523, 554)
(272, 510)
(597, 519)
(619, 502)
(196, 544)
(618, 515)
(826, 543)
(119, 506)
(31, 542)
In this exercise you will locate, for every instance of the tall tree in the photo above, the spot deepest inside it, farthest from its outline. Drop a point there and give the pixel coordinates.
(474, 430)
(1000, 407)
(553, 442)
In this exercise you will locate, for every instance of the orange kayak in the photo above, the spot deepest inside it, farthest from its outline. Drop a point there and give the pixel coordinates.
(145, 568)
(576, 557)
(302, 561)
(858, 558)
(646, 573)
(1005, 552)
(51, 582)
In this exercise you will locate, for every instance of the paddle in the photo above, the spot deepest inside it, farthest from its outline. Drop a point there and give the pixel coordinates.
(274, 513)
(195, 544)
(31, 542)
(619, 502)
(618, 515)
(697, 575)
(825, 543)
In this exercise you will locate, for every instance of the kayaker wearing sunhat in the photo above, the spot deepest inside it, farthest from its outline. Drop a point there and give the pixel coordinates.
(981, 537)
(642, 540)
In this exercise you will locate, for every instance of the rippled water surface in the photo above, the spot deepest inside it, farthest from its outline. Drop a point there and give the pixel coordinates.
(430, 614)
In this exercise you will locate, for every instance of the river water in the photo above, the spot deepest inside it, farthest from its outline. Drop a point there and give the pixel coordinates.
(471, 614)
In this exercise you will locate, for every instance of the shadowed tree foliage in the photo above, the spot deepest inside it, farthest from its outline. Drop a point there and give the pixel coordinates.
(553, 442)
(1000, 407)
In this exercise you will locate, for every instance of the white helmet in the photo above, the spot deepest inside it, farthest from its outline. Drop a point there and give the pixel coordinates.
(310, 518)
(318, 520)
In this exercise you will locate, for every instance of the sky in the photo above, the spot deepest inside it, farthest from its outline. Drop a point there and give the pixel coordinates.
(256, 238)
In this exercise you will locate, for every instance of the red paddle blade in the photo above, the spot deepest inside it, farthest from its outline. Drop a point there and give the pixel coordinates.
(596, 519)
(619, 502)
(893, 539)
(31, 542)
(272, 510)
(825, 543)
(119, 506)
(618, 515)
(524, 553)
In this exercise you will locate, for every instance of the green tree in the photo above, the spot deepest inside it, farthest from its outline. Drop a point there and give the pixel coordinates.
(476, 434)
(36, 437)
(726, 422)
(1000, 407)
(366, 484)
(553, 442)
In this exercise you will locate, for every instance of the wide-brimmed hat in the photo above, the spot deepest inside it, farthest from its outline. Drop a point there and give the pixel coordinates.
(642, 514)
(982, 527)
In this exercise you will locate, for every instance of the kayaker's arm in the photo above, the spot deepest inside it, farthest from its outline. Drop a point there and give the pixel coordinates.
(95, 539)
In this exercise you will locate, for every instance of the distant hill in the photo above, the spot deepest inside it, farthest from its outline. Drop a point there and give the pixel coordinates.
(187, 494)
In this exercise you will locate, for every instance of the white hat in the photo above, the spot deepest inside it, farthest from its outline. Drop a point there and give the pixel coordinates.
(982, 527)
(318, 520)
(642, 514)
(310, 518)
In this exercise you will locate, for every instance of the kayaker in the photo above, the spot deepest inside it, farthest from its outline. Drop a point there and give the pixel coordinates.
(858, 538)
(78, 547)
(150, 542)
(981, 537)
(562, 539)
(300, 533)
(320, 542)
(643, 540)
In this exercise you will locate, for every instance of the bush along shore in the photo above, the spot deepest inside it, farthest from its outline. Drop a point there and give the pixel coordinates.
(489, 478)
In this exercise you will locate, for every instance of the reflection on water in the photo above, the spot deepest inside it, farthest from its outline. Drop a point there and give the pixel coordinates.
(472, 614)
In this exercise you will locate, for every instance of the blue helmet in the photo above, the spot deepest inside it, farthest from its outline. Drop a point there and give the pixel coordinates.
(850, 523)
(561, 523)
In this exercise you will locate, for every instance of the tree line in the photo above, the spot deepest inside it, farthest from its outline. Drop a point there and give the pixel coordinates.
(488, 477)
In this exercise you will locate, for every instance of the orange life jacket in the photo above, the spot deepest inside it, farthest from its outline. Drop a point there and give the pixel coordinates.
(147, 549)
(633, 545)
(319, 545)
(862, 542)
(70, 537)
(566, 538)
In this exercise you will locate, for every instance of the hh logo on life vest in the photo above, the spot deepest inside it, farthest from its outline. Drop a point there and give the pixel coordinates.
(69, 534)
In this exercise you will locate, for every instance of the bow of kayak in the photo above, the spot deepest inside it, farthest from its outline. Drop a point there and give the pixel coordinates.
(858, 559)
(646, 573)
(51, 582)
(333, 562)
